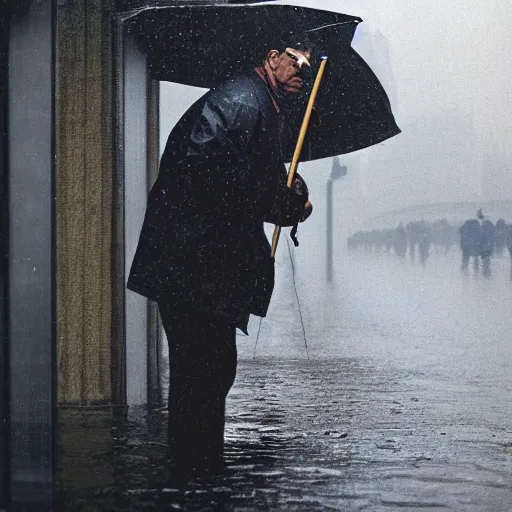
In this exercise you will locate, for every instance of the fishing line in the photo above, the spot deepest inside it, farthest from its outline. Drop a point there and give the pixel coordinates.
(257, 338)
(297, 297)
(298, 305)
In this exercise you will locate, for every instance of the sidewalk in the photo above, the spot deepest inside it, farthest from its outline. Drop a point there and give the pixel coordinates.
(401, 401)
(305, 436)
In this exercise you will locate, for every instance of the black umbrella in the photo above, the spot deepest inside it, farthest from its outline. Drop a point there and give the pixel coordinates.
(204, 45)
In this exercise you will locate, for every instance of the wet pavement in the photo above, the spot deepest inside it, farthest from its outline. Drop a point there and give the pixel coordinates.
(389, 388)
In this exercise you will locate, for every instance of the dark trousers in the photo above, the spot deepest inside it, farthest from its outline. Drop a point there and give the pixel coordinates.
(465, 261)
(486, 264)
(202, 359)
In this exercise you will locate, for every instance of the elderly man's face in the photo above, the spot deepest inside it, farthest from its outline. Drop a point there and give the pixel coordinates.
(287, 66)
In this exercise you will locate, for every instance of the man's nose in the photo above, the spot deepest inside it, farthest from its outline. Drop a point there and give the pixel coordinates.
(303, 63)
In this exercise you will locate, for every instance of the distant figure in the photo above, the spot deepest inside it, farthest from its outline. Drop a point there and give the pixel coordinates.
(470, 235)
(453, 236)
(412, 239)
(387, 238)
(488, 242)
(500, 237)
(376, 241)
(443, 234)
(508, 243)
(400, 241)
(424, 233)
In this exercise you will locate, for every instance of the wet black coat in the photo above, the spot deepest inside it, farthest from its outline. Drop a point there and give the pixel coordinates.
(202, 244)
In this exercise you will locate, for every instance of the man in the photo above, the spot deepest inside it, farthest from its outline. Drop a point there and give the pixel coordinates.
(487, 245)
(501, 233)
(470, 242)
(508, 242)
(203, 254)
(425, 236)
(400, 241)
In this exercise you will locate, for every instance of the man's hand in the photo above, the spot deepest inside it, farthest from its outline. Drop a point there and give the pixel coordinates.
(300, 188)
(308, 209)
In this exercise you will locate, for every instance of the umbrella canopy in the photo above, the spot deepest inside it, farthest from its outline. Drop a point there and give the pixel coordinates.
(204, 45)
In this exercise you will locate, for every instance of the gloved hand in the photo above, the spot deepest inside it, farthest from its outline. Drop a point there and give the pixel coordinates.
(308, 209)
(300, 188)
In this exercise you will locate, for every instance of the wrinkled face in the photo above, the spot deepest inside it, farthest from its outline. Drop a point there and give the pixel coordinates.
(287, 66)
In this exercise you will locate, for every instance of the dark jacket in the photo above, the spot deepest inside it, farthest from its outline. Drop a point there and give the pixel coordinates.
(471, 237)
(488, 238)
(221, 176)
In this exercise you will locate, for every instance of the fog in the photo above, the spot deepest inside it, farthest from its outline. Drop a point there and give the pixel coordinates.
(447, 72)
(369, 333)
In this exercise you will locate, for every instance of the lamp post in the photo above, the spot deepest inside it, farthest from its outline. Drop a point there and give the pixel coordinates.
(337, 172)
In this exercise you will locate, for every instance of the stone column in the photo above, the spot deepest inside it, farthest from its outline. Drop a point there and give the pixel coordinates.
(84, 173)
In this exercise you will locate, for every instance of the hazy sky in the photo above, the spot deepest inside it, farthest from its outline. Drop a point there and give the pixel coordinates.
(452, 68)
(454, 54)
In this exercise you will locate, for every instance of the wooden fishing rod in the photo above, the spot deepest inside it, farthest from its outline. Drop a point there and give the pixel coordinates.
(300, 142)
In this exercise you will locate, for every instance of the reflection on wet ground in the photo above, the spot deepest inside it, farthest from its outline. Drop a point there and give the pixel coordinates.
(403, 404)
(322, 435)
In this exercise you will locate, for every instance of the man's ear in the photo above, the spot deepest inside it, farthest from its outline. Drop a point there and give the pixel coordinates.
(273, 58)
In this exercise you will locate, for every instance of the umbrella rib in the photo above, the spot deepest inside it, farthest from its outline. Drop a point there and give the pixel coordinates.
(333, 25)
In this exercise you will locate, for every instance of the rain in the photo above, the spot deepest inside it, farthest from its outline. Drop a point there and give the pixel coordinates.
(380, 380)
